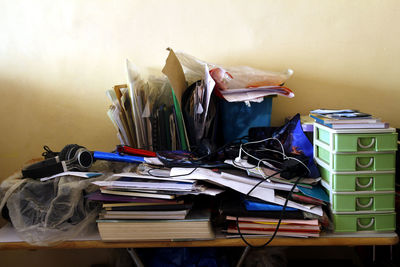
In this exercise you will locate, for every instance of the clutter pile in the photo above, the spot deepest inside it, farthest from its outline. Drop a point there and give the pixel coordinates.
(197, 159)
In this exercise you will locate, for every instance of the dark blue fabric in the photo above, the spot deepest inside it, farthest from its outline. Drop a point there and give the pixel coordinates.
(295, 142)
(190, 257)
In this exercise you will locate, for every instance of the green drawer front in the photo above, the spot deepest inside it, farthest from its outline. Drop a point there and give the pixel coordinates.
(364, 222)
(365, 142)
(356, 142)
(323, 154)
(355, 182)
(357, 162)
(364, 162)
(322, 135)
(362, 202)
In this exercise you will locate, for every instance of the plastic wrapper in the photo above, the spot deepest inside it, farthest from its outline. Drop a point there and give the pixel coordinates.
(46, 213)
(49, 212)
(295, 142)
(138, 96)
(239, 76)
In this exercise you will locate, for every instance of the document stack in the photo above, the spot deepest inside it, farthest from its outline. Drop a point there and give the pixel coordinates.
(258, 214)
(146, 113)
(140, 207)
(357, 167)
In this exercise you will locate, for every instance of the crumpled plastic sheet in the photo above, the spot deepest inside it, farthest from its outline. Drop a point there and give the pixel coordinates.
(46, 213)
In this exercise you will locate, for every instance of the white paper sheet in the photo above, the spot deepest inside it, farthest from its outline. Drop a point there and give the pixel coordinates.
(77, 174)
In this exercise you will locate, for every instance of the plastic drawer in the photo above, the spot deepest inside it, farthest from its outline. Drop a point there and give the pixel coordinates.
(353, 162)
(358, 181)
(364, 222)
(361, 203)
(356, 140)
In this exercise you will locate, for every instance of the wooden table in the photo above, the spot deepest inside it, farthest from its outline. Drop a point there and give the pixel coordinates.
(9, 240)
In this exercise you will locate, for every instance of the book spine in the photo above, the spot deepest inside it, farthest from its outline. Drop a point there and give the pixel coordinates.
(319, 120)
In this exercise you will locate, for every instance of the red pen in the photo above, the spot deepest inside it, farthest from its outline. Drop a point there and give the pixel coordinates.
(135, 151)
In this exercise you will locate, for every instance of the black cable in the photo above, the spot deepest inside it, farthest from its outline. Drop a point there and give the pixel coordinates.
(48, 153)
(280, 218)
(260, 182)
(248, 193)
(233, 142)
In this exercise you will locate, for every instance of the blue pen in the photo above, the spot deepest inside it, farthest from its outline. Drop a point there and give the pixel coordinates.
(117, 157)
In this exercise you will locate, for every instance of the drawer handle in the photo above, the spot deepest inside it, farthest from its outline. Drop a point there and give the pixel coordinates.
(371, 160)
(371, 200)
(365, 226)
(365, 146)
(371, 179)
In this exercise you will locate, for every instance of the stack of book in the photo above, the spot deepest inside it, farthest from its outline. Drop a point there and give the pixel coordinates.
(254, 218)
(266, 226)
(137, 207)
(195, 226)
(258, 214)
(266, 201)
(347, 119)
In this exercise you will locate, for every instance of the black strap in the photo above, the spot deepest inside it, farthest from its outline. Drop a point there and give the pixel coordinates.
(43, 168)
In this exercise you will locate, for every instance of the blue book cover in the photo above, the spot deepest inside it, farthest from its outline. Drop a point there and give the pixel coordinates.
(254, 206)
(349, 123)
(315, 192)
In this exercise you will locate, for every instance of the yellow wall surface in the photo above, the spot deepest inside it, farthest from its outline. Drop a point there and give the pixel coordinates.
(57, 59)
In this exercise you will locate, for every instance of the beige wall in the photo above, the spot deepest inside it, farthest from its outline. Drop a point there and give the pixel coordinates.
(57, 58)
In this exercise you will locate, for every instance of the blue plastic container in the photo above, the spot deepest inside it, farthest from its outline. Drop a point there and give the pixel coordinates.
(237, 118)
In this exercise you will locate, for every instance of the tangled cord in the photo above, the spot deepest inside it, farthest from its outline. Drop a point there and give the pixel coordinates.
(280, 217)
(265, 178)
(48, 153)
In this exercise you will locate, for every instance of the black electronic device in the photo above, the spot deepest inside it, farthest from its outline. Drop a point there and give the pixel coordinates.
(295, 166)
(72, 157)
(259, 133)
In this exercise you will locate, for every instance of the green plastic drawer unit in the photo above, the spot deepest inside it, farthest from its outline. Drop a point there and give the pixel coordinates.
(358, 181)
(378, 222)
(353, 162)
(362, 202)
(355, 140)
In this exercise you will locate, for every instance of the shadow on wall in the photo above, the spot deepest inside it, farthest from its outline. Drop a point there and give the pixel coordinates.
(312, 93)
(33, 116)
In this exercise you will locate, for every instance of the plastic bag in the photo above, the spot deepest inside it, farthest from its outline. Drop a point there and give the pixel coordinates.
(295, 142)
(239, 76)
(288, 140)
(45, 213)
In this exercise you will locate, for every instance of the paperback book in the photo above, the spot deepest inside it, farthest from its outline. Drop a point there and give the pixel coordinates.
(347, 119)
(196, 226)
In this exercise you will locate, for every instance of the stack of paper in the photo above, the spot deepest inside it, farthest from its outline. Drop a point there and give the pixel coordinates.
(131, 184)
(120, 113)
(265, 226)
(137, 207)
(147, 114)
(266, 200)
(247, 94)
